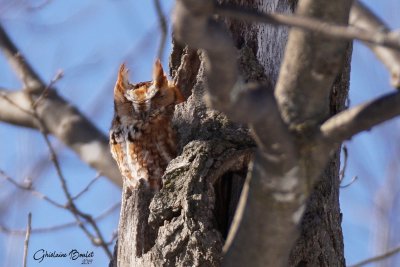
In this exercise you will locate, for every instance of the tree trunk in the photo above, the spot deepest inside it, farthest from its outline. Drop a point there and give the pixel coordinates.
(321, 239)
(187, 222)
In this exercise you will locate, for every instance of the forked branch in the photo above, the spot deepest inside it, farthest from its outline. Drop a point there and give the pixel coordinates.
(194, 26)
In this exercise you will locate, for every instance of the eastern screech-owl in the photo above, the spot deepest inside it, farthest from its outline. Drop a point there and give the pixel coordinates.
(142, 139)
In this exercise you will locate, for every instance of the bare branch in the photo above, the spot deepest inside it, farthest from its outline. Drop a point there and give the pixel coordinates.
(34, 8)
(28, 234)
(310, 66)
(84, 190)
(342, 172)
(350, 183)
(193, 26)
(59, 227)
(377, 258)
(388, 39)
(345, 160)
(67, 124)
(24, 71)
(58, 116)
(227, 93)
(97, 240)
(363, 18)
(360, 118)
(29, 187)
(11, 113)
(276, 159)
(163, 29)
(44, 93)
(367, 28)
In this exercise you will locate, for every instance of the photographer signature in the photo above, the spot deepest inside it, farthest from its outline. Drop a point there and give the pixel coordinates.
(74, 254)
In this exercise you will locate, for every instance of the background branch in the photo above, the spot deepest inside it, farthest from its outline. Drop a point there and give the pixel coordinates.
(59, 117)
(377, 258)
(39, 230)
(310, 66)
(34, 105)
(97, 239)
(226, 90)
(29, 187)
(87, 187)
(361, 118)
(363, 18)
(163, 29)
(23, 70)
(28, 234)
(322, 27)
(276, 157)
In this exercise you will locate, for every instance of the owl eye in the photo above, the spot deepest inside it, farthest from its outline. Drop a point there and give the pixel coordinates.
(159, 95)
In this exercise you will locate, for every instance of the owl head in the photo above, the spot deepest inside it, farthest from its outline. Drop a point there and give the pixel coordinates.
(145, 98)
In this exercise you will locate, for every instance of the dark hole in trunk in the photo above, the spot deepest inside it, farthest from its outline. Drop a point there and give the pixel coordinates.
(227, 191)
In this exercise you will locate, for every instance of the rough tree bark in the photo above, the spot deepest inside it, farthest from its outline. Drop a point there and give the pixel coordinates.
(187, 222)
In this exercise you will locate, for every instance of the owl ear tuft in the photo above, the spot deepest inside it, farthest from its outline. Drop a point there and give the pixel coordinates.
(159, 76)
(122, 83)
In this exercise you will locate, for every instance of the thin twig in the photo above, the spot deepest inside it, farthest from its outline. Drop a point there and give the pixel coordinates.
(389, 39)
(45, 92)
(104, 214)
(377, 258)
(28, 234)
(29, 187)
(97, 240)
(78, 214)
(84, 190)
(163, 29)
(71, 206)
(114, 236)
(39, 6)
(345, 159)
(79, 127)
(343, 170)
(350, 183)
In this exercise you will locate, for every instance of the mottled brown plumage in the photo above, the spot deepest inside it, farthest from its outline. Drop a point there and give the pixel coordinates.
(142, 139)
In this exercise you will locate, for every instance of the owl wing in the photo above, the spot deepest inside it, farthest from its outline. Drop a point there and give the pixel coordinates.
(128, 157)
(117, 150)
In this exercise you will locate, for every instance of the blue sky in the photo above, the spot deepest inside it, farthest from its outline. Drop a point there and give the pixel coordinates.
(372, 153)
(88, 40)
